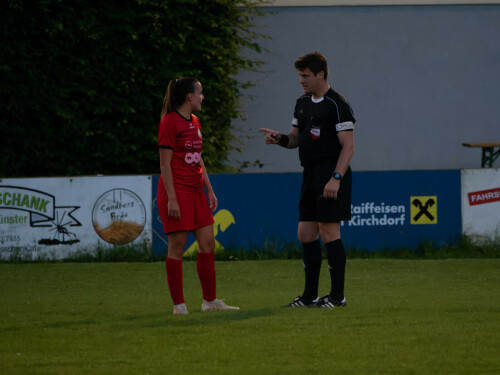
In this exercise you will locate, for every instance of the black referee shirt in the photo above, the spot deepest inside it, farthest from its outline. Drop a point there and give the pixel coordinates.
(318, 122)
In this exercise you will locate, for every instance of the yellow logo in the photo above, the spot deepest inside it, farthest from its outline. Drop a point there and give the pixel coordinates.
(222, 219)
(423, 210)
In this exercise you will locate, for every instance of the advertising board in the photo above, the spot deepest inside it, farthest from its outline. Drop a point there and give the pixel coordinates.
(481, 203)
(390, 210)
(55, 218)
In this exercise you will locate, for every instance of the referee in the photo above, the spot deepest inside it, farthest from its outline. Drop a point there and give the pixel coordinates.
(323, 130)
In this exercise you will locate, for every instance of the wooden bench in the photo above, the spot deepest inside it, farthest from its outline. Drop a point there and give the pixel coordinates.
(489, 153)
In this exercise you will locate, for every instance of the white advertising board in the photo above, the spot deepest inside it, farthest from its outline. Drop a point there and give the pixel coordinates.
(481, 203)
(55, 218)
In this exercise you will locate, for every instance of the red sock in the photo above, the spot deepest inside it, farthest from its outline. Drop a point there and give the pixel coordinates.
(205, 265)
(174, 278)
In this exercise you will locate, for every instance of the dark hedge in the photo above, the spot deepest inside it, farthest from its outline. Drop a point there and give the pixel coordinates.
(82, 82)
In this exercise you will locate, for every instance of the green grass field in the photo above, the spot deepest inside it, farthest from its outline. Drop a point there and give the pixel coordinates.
(402, 317)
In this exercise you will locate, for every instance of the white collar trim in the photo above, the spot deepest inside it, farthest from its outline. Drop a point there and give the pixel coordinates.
(317, 100)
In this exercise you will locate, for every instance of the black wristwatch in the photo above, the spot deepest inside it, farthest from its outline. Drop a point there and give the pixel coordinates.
(337, 176)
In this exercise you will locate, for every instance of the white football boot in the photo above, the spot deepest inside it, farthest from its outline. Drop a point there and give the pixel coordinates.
(180, 309)
(216, 304)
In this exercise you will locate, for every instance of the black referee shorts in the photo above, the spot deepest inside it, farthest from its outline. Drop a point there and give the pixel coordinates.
(312, 205)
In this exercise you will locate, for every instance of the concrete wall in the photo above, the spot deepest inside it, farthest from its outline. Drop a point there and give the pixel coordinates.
(421, 80)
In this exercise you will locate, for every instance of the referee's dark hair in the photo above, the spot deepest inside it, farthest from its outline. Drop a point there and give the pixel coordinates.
(177, 91)
(315, 61)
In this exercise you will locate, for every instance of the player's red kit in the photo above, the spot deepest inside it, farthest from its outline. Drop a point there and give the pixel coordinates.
(183, 136)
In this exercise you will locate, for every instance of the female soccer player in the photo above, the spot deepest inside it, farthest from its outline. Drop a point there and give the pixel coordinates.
(182, 203)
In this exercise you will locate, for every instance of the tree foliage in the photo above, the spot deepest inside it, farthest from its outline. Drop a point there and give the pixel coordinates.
(82, 81)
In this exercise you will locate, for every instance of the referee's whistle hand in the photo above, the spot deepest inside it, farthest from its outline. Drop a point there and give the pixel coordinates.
(272, 136)
(331, 189)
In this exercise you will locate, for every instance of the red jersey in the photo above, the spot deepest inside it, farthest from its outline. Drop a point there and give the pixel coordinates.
(183, 136)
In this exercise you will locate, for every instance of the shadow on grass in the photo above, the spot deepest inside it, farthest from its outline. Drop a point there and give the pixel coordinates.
(157, 320)
(198, 318)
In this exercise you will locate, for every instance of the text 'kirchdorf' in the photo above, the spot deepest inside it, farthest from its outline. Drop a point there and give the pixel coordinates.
(377, 214)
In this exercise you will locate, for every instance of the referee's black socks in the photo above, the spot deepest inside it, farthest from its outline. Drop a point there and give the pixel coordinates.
(312, 265)
(336, 262)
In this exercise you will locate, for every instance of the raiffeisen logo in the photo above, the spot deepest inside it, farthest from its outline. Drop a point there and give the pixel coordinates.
(377, 214)
(424, 209)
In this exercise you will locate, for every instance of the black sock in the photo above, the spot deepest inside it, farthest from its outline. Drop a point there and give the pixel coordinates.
(312, 265)
(336, 262)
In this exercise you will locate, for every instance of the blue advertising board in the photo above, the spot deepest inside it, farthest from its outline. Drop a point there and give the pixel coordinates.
(390, 210)
(401, 209)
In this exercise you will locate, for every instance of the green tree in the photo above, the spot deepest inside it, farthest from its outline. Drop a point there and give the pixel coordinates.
(82, 82)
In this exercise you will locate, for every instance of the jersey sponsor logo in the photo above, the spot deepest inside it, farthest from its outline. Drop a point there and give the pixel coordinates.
(189, 145)
(315, 132)
(192, 157)
(423, 210)
(197, 143)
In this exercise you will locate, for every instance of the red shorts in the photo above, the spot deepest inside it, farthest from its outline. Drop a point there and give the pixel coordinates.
(195, 212)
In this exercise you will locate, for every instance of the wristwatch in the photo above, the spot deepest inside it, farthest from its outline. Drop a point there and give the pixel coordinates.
(337, 176)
